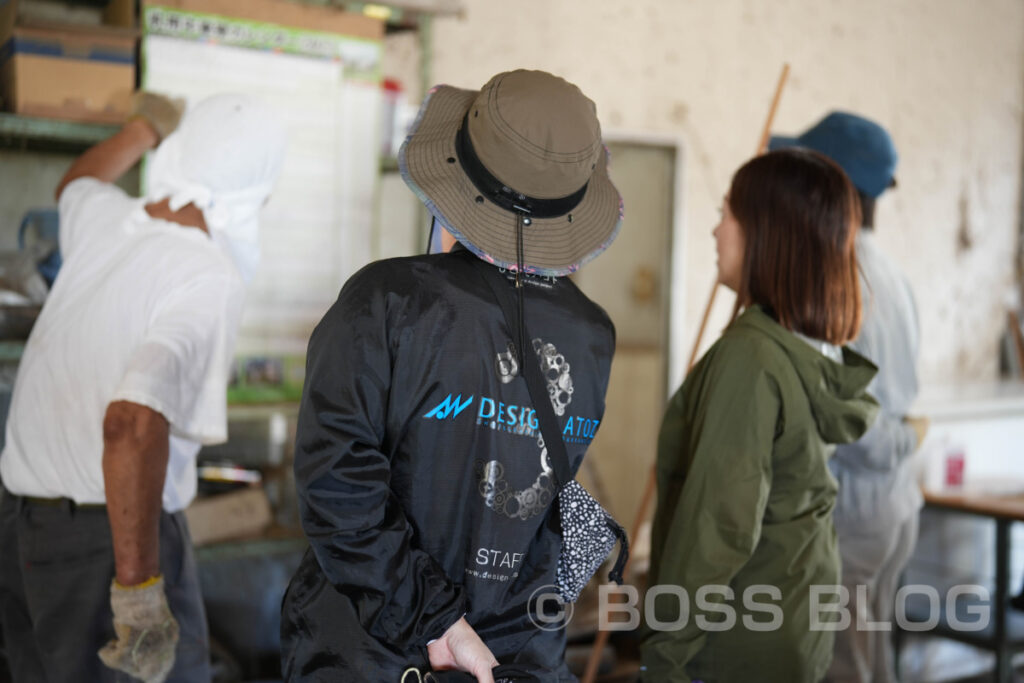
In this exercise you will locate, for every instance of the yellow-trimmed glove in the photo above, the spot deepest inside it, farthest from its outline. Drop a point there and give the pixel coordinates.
(147, 632)
(162, 113)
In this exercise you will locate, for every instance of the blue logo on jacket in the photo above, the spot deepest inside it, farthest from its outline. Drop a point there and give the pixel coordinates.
(511, 418)
(447, 407)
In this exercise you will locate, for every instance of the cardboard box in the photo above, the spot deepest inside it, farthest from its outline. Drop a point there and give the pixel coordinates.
(228, 516)
(78, 73)
(120, 13)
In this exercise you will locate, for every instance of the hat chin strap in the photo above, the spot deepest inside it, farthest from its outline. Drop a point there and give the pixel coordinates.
(501, 194)
(520, 258)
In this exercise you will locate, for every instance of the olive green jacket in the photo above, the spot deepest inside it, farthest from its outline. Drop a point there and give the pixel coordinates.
(745, 500)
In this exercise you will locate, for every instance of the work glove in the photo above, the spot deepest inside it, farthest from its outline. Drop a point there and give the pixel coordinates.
(162, 113)
(147, 632)
(920, 427)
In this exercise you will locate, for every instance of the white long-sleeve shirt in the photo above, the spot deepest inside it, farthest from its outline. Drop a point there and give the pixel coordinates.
(876, 482)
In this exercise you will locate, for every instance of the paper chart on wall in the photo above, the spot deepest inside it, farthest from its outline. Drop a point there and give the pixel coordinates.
(315, 230)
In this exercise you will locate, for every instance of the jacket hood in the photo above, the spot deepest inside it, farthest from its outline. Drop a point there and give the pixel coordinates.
(842, 408)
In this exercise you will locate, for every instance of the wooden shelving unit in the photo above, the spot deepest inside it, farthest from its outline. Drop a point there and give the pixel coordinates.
(399, 15)
(23, 132)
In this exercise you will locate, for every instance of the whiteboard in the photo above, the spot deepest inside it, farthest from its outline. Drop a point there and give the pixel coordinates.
(316, 228)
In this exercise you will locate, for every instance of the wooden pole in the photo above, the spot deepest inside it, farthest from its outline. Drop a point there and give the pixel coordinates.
(703, 325)
(590, 674)
(762, 144)
(766, 132)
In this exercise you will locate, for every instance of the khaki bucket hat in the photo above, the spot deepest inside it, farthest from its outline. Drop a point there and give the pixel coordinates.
(526, 146)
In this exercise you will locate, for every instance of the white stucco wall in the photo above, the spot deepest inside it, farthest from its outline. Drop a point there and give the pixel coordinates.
(945, 76)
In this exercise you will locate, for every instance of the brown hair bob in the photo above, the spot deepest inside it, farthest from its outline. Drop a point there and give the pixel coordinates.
(799, 215)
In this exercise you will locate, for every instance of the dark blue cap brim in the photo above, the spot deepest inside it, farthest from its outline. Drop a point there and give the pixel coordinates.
(782, 142)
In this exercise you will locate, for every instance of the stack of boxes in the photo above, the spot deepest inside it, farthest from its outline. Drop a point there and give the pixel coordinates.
(70, 71)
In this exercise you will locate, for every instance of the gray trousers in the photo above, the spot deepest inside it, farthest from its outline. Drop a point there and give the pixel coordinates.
(56, 565)
(875, 562)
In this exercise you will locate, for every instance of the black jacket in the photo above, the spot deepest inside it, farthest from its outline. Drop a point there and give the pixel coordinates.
(419, 469)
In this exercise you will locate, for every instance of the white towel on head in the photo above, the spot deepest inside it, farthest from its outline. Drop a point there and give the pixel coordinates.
(225, 158)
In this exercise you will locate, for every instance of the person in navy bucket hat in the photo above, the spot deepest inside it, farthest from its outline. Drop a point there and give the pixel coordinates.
(876, 513)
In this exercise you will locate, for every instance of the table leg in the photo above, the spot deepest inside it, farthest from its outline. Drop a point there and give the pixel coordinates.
(1004, 672)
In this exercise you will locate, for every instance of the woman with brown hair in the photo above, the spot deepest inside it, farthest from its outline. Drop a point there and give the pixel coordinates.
(743, 529)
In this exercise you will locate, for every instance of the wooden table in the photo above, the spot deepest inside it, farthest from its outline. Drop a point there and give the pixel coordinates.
(1005, 633)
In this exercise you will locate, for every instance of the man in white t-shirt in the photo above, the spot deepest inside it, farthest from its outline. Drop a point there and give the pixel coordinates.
(123, 379)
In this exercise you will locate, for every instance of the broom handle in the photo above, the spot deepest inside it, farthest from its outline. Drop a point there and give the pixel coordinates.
(762, 143)
(703, 324)
(648, 496)
(766, 132)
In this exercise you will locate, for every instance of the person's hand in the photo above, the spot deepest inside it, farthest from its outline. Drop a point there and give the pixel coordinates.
(147, 632)
(162, 113)
(920, 427)
(461, 648)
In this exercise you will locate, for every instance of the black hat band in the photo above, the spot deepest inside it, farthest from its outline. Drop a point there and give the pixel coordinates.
(501, 194)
